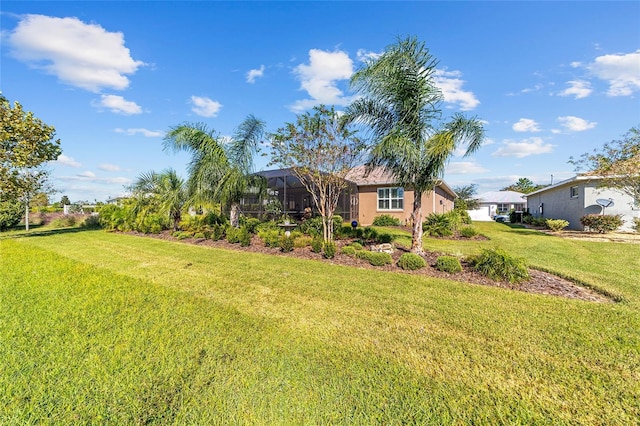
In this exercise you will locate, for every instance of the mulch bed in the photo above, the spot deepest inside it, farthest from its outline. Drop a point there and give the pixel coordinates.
(540, 282)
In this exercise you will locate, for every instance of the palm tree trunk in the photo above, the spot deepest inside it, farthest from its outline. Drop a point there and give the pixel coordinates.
(416, 218)
(234, 215)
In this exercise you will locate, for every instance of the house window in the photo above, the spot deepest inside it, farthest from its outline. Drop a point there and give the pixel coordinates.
(574, 191)
(390, 198)
(504, 208)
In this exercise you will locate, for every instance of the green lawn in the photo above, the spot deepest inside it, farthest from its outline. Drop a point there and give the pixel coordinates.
(108, 328)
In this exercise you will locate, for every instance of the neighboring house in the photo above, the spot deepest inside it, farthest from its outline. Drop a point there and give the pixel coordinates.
(573, 198)
(498, 202)
(366, 196)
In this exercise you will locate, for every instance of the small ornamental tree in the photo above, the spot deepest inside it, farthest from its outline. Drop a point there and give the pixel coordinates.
(26, 143)
(320, 153)
(617, 163)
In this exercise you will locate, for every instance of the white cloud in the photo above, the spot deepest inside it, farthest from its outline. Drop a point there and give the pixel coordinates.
(464, 168)
(205, 107)
(576, 124)
(253, 74)
(578, 88)
(451, 85)
(319, 79)
(79, 54)
(365, 55)
(524, 148)
(87, 174)
(65, 160)
(109, 167)
(526, 125)
(144, 132)
(621, 71)
(118, 105)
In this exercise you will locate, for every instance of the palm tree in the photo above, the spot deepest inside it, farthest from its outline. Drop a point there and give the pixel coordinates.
(400, 104)
(220, 170)
(165, 192)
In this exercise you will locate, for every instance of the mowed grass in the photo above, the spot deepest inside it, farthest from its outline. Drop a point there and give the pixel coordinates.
(108, 328)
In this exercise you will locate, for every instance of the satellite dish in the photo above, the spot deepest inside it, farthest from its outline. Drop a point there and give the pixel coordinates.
(604, 202)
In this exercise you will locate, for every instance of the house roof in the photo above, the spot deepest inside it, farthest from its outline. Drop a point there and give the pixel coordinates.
(573, 180)
(381, 176)
(502, 197)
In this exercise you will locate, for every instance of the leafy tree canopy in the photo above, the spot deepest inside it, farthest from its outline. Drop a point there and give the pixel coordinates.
(524, 185)
(466, 197)
(25, 144)
(321, 152)
(617, 162)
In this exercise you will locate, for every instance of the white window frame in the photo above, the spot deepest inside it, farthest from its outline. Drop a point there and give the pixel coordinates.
(571, 191)
(385, 196)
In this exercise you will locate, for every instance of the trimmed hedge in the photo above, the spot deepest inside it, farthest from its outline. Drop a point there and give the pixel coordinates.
(411, 261)
(601, 223)
(450, 264)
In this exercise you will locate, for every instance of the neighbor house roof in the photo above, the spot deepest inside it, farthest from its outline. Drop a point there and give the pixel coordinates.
(381, 176)
(502, 197)
(573, 180)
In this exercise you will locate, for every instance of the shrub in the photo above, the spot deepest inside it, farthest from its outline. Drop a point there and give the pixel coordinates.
(636, 224)
(91, 222)
(556, 225)
(468, 232)
(250, 223)
(369, 234)
(375, 258)
(539, 222)
(184, 235)
(10, 214)
(601, 223)
(316, 244)
(233, 234)
(286, 243)
(198, 235)
(345, 231)
(384, 238)
(64, 221)
(217, 231)
(440, 225)
(348, 250)
(329, 249)
(270, 237)
(499, 265)
(450, 264)
(244, 236)
(356, 245)
(301, 241)
(386, 220)
(411, 261)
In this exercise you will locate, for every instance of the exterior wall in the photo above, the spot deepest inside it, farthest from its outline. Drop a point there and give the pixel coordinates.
(434, 201)
(558, 204)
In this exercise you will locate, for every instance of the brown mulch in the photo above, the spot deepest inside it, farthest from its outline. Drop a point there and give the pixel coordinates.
(540, 282)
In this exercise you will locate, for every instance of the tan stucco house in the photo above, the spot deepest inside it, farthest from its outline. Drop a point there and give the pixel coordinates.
(367, 196)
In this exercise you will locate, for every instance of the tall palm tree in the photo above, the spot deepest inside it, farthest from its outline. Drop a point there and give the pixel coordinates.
(400, 105)
(220, 170)
(165, 192)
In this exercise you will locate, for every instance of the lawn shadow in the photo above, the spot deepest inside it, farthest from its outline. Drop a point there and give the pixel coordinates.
(45, 232)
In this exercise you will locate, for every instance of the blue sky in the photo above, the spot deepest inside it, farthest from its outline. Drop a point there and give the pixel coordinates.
(550, 80)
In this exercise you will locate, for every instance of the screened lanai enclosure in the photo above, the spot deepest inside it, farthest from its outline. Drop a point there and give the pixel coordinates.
(286, 195)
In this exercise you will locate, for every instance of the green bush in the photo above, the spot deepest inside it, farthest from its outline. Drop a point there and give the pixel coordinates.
(348, 250)
(440, 225)
(287, 243)
(499, 265)
(386, 220)
(270, 237)
(636, 224)
(184, 235)
(329, 249)
(450, 264)
(468, 232)
(356, 245)
(250, 223)
(198, 235)
(375, 258)
(411, 261)
(217, 231)
(601, 223)
(384, 238)
(91, 222)
(556, 225)
(66, 221)
(316, 244)
(369, 234)
(10, 214)
(301, 241)
(244, 236)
